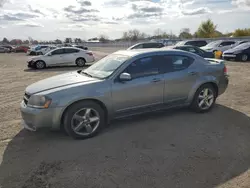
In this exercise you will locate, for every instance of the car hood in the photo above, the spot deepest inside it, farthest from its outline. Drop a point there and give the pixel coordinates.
(206, 48)
(58, 81)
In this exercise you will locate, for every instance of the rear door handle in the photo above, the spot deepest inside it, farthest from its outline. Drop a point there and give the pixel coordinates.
(156, 80)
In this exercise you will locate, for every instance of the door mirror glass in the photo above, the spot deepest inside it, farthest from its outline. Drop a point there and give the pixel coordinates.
(125, 77)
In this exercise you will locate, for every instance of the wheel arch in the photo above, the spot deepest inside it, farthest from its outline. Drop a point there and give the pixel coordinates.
(102, 105)
(211, 82)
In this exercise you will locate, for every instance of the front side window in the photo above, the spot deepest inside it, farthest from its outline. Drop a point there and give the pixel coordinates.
(147, 66)
(138, 46)
(70, 50)
(57, 52)
(227, 43)
(173, 63)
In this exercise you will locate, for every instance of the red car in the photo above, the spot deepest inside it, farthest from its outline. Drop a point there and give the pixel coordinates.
(21, 49)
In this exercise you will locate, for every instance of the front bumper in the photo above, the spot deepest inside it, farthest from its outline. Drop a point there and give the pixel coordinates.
(34, 119)
(31, 64)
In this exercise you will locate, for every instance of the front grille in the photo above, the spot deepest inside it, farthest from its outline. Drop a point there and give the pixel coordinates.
(26, 98)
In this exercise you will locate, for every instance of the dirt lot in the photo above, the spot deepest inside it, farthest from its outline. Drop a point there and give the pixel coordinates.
(175, 148)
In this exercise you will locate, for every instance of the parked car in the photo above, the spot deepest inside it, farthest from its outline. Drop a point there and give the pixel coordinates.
(38, 50)
(4, 50)
(20, 49)
(198, 43)
(239, 53)
(220, 45)
(196, 50)
(146, 45)
(8, 47)
(62, 56)
(79, 46)
(43, 51)
(122, 84)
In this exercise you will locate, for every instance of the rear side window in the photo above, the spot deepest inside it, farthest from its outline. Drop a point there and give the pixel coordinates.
(173, 63)
(138, 46)
(197, 43)
(70, 50)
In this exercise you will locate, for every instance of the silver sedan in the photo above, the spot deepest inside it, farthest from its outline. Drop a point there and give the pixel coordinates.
(122, 84)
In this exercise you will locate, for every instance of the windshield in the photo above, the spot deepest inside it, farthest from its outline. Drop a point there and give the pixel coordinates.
(243, 46)
(106, 66)
(213, 44)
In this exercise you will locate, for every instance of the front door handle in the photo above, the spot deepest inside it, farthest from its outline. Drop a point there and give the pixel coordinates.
(192, 73)
(156, 80)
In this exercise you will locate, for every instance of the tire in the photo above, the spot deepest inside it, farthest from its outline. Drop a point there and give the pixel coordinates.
(80, 62)
(40, 65)
(70, 122)
(244, 57)
(196, 103)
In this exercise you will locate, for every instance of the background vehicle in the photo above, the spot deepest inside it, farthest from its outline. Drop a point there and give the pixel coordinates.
(8, 47)
(34, 50)
(43, 51)
(62, 56)
(146, 45)
(20, 49)
(240, 53)
(198, 43)
(219, 45)
(122, 84)
(4, 50)
(196, 50)
(79, 46)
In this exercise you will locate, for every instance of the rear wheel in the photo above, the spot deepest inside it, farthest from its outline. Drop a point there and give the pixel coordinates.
(40, 65)
(80, 62)
(204, 98)
(84, 120)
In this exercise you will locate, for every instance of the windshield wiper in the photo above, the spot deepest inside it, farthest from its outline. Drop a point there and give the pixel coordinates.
(89, 75)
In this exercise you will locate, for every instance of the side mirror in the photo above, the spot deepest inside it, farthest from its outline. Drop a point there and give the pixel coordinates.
(49, 54)
(125, 77)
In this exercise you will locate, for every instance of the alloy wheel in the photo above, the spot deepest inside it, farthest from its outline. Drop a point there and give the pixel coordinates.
(39, 65)
(244, 57)
(205, 99)
(85, 121)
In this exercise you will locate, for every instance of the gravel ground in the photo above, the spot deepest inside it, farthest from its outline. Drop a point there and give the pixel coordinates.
(175, 148)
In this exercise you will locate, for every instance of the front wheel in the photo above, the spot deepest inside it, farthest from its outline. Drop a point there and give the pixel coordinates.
(40, 65)
(84, 120)
(204, 98)
(244, 57)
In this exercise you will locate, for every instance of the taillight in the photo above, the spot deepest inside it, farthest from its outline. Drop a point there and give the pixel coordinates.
(90, 53)
(225, 69)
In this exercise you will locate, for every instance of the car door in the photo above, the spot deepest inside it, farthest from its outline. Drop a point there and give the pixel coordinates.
(56, 57)
(70, 55)
(144, 90)
(180, 77)
(226, 45)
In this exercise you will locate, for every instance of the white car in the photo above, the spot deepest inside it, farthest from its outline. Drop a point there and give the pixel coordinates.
(61, 57)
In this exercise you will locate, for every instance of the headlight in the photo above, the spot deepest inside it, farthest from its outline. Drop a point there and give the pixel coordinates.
(237, 52)
(38, 101)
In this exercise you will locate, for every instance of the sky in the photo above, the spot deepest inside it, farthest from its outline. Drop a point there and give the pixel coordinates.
(58, 19)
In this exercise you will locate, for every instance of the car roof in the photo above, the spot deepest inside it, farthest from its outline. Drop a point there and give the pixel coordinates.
(136, 52)
(186, 46)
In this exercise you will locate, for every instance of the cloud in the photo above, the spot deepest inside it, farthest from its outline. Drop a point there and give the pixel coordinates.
(2, 2)
(115, 3)
(29, 24)
(6, 17)
(84, 3)
(35, 10)
(197, 11)
(83, 18)
(241, 3)
(81, 10)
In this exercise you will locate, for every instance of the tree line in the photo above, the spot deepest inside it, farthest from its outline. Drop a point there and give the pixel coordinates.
(206, 29)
